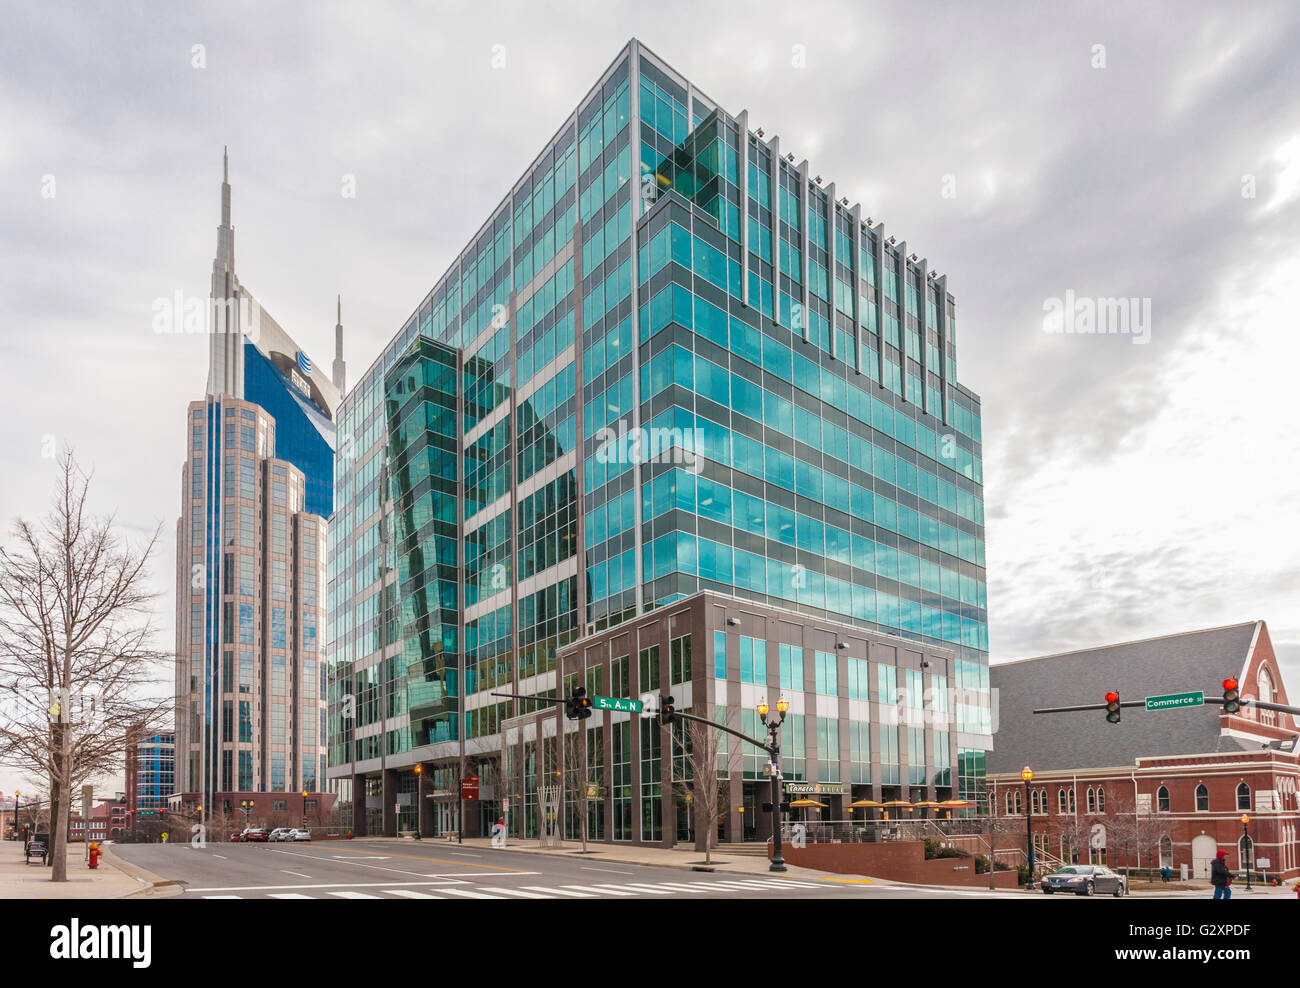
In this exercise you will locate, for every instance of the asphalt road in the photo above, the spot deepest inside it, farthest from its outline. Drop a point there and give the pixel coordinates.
(383, 870)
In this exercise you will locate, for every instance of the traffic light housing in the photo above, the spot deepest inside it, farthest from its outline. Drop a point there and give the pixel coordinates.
(578, 705)
(1231, 696)
(1112, 707)
(667, 710)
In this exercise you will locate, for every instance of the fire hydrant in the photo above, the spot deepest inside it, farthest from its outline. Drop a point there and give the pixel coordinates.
(94, 854)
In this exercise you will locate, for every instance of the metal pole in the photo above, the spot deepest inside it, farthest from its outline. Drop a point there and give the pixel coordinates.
(1029, 836)
(778, 862)
(1250, 846)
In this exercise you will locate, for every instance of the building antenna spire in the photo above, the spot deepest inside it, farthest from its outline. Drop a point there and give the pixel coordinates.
(340, 369)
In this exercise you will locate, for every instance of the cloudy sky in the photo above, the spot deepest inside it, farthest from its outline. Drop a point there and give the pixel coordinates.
(1031, 152)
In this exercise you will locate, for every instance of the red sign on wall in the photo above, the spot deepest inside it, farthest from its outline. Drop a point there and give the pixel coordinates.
(469, 787)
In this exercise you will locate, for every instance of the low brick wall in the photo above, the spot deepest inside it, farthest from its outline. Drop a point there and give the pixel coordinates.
(895, 861)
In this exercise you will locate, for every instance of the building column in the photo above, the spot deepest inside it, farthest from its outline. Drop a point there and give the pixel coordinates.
(389, 810)
(358, 806)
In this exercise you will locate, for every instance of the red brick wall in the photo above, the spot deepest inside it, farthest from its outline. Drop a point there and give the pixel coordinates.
(894, 861)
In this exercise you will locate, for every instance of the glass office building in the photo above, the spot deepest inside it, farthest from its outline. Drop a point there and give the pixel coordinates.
(683, 365)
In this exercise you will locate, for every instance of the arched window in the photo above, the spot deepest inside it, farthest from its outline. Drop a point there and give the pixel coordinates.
(1101, 800)
(1074, 802)
(1092, 800)
(1037, 801)
(1202, 798)
(1060, 800)
(1019, 803)
(1162, 799)
(1243, 796)
(1166, 852)
(1011, 801)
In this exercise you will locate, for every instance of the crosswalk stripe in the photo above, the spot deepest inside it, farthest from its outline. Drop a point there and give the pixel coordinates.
(795, 885)
(410, 894)
(223, 897)
(739, 885)
(639, 889)
(597, 889)
(470, 895)
(287, 895)
(576, 895)
(683, 887)
(354, 895)
(519, 892)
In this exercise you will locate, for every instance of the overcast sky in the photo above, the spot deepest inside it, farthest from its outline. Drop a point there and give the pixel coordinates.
(1027, 150)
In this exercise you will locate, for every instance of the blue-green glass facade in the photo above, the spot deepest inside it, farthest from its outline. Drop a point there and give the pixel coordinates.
(684, 365)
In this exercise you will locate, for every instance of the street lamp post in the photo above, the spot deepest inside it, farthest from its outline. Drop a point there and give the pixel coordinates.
(419, 799)
(16, 795)
(304, 809)
(774, 751)
(1027, 774)
(1248, 845)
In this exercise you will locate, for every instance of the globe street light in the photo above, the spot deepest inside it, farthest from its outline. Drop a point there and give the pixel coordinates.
(1027, 774)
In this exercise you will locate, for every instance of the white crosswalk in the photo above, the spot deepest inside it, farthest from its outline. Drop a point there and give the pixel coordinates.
(612, 890)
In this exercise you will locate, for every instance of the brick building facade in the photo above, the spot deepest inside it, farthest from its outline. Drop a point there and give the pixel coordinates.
(1161, 788)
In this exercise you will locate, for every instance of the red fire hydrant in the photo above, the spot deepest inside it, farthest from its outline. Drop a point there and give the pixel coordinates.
(94, 854)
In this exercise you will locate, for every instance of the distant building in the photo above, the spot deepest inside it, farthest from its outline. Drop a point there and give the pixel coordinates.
(1162, 787)
(150, 774)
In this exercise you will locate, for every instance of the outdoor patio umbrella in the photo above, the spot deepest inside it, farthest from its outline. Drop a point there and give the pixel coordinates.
(956, 804)
(895, 802)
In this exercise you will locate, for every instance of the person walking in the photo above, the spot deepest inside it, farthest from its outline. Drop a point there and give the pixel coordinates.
(1220, 877)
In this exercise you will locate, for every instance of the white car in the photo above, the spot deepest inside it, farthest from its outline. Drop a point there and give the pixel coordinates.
(281, 833)
(298, 834)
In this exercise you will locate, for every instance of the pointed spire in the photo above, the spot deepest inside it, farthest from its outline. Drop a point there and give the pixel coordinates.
(225, 163)
(340, 369)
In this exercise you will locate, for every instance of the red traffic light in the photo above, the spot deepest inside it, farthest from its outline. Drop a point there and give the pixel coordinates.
(1112, 697)
(1229, 684)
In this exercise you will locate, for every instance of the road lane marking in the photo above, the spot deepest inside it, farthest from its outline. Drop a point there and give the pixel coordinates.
(637, 889)
(411, 894)
(576, 895)
(596, 889)
(319, 885)
(296, 874)
(519, 892)
(611, 871)
(470, 895)
(223, 897)
(285, 895)
(221, 856)
(421, 857)
(354, 895)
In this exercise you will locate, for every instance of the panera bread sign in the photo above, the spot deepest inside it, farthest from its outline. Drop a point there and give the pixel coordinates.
(815, 788)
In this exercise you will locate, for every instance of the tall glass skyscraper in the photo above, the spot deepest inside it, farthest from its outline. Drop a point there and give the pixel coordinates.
(670, 363)
(257, 492)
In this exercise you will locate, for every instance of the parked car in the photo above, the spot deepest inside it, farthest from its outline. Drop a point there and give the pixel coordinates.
(1084, 880)
(236, 837)
(299, 834)
(254, 834)
(281, 833)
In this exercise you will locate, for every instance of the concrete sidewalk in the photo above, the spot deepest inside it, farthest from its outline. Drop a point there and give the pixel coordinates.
(111, 880)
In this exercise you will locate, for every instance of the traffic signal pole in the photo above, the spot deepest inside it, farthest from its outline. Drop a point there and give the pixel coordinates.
(1282, 707)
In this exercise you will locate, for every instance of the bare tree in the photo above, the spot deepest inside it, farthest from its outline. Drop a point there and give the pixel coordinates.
(75, 648)
(706, 786)
(575, 777)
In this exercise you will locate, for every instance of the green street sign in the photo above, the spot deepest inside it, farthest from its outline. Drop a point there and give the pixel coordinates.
(1173, 700)
(616, 703)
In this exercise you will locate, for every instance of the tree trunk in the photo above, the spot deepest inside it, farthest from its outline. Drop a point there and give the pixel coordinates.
(59, 820)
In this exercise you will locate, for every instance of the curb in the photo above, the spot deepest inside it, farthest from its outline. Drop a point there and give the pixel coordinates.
(153, 884)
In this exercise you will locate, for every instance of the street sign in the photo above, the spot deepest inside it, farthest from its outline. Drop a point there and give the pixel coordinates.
(591, 790)
(1171, 701)
(616, 703)
(469, 787)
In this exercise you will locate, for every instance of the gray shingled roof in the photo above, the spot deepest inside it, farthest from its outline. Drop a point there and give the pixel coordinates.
(1196, 660)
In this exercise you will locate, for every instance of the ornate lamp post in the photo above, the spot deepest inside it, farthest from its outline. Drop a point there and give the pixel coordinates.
(774, 750)
(419, 799)
(1027, 774)
(1248, 845)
